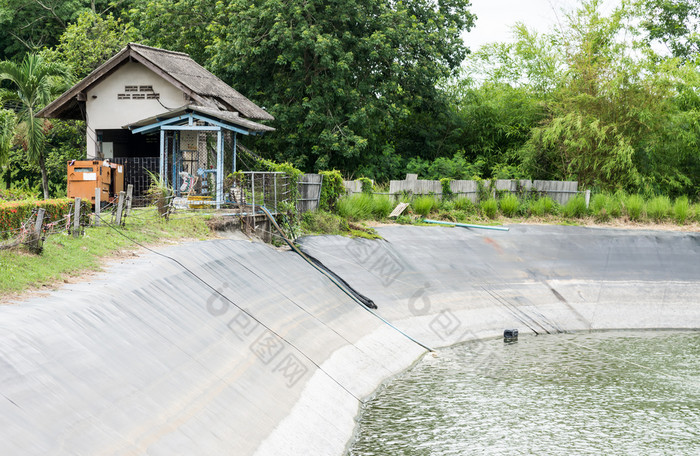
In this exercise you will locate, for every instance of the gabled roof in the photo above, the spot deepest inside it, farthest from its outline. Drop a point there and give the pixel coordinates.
(177, 68)
(177, 116)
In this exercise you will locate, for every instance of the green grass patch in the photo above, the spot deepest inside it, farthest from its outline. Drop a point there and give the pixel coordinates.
(321, 222)
(509, 204)
(634, 207)
(489, 208)
(681, 210)
(658, 208)
(543, 206)
(575, 207)
(424, 205)
(65, 255)
(465, 204)
(365, 206)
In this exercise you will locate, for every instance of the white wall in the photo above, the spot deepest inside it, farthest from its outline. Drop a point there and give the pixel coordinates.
(105, 111)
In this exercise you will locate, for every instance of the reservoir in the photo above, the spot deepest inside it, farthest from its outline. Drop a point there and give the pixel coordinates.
(617, 392)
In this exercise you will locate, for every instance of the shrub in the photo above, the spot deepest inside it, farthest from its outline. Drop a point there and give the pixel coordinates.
(14, 213)
(355, 207)
(695, 212)
(446, 189)
(333, 188)
(509, 205)
(382, 205)
(447, 205)
(659, 208)
(464, 204)
(489, 208)
(542, 206)
(424, 205)
(634, 206)
(323, 222)
(575, 207)
(604, 206)
(681, 210)
(367, 185)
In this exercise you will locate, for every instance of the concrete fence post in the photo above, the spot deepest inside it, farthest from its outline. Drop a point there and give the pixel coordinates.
(76, 218)
(587, 196)
(98, 205)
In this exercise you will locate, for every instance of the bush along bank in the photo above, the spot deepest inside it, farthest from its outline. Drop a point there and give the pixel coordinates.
(603, 208)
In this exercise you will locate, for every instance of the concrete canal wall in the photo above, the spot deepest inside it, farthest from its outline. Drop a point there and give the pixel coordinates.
(242, 349)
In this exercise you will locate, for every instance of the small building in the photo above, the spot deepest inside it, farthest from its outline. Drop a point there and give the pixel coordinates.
(159, 110)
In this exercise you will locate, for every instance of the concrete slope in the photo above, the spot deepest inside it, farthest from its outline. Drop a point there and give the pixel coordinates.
(252, 351)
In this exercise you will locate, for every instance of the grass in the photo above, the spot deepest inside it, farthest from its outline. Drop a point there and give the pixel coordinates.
(364, 206)
(658, 208)
(681, 210)
(321, 222)
(543, 206)
(424, 205)
(510, 204)
(575, 207)
(465, 204)
(634, 206)
(65, 256)
(489, 208)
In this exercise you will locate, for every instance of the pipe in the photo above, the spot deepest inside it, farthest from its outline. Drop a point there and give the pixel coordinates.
(467, 225)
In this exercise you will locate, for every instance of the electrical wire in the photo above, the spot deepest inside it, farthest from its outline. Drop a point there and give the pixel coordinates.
(205, 283)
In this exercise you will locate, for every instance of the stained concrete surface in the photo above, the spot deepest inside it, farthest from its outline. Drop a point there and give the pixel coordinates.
(148, 359)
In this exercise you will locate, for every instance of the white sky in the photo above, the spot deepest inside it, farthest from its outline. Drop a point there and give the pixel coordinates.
(496, 17)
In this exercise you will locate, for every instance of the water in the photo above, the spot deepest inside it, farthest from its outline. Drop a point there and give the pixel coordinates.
(635, 393)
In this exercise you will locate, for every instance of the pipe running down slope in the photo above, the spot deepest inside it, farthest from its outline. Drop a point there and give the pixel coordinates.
(147, 359)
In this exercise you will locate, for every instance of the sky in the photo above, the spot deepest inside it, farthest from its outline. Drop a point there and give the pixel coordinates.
(496, 17)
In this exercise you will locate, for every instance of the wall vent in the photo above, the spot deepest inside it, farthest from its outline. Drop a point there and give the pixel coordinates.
(123, 96)
(131, 88)
(152, 96)
(138, 96)
(146, 88)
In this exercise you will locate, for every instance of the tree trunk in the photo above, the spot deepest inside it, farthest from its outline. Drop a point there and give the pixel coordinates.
(44, 177)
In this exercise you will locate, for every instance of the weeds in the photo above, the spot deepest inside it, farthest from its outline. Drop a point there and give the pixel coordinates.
(681, 210)
(634, 206)
(658, 208)
(489, 208)
(543, 206)
(509, 205)
(424, 205)
(575, 207)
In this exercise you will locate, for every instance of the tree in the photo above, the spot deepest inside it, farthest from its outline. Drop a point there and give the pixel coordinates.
(31, 25)
(674, 23)
(8, 122)
(90, 41)
(35, 82)
(342, 78)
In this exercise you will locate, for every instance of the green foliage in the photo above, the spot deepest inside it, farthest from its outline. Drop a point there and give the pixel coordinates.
(509, 204)
(8, 122)
(634, 206)
(604, 206)
(90, 41)
(35, 24)
(424, 205)
(463, 203)
(673, 23)
(34, 82)
(681, 210)
(14, 213)
(575, 207)
(658, 208)
(367, 185)
(364, 206)
(695, 212)
(322, 222)
(333, 188)
(445, 185)
(489, 208)
(346, 81)
(542, 206)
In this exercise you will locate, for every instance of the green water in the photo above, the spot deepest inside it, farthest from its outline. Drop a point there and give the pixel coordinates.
(631, 393)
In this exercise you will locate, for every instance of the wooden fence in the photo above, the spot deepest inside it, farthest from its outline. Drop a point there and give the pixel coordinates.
(309, 192)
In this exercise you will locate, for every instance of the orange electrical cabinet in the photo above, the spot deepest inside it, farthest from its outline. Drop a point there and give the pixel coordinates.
(84, 176)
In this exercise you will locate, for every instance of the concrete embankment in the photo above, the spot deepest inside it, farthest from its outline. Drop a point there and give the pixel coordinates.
(250, 350)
